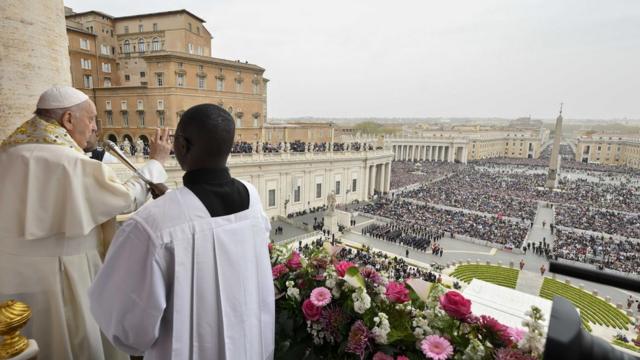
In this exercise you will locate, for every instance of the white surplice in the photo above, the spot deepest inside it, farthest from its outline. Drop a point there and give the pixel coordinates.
(53, 203)
(179, 284)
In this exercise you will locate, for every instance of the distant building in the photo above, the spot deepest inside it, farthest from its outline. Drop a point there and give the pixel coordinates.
(143, 71)
(609, 148)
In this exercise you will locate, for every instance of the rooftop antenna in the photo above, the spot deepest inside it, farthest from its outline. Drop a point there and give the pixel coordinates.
(561, 108)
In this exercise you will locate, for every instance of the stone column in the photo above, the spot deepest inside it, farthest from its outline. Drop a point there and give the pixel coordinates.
(429, 153)
(372, 183)
(35, 56)
(388, 183)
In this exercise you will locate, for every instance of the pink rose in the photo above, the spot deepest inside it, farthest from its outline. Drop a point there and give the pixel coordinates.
(310, 311)
(279, 270)
(294, 261)
(456, 305)
(396, 292)
(382, 356)
(320, 296)
(342, 266)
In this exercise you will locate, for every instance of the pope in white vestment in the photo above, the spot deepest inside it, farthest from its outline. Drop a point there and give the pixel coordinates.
(188, 276)
(54, 202)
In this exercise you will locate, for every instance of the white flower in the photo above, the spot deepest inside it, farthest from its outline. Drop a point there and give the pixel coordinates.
(293, 293)
(475, 351)
(336, 292)
(361, 301)
(330, 283)
(381, 329)
(289, 283)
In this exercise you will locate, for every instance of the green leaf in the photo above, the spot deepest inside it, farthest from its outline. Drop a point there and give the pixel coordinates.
(352, 277)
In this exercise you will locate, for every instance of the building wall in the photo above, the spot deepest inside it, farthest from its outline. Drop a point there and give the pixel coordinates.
(282, 173)
(609, 149)
(35, 55)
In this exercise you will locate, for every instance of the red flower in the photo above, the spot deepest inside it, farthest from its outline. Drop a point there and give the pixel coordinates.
(396, 292)
(293, 262)
(310, 311)
(342, 266)
(456, 305)
(270, 247)
(278, 271)
(494, 326)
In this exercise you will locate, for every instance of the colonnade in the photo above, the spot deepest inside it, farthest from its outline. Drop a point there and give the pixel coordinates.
(378, 178)
(415, 152)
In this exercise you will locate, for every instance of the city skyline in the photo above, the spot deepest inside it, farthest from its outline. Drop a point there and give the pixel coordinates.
(489, 60)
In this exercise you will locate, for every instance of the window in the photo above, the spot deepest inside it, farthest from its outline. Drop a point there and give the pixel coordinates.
(142, 74)
(125, 119)
(190, 29)
(200, 68)
(219, 84)
(126, 29)
(238, 86)
(199, 51)
(109, 115)
(256, 88)
(201, 82)
(127, 77)
(180, 65)
(84, 44)
(198, 30)
(318, 191)
(106, 67)
(159, 79)
(141, 119)
(297, 190)
(272, 198)
(127, 47)
(123, 105)
(338, 187)
(238, 122)
(85, 64)
(161, 119)
(140, 28)
(160, 104)
(180, 80)
(104, 49)
(88, 81)
(107, 82)
(155, 44)
(141, 45)
(139, 105)
(255, 121)
(190, 48)
(155, 27)
(354, 185)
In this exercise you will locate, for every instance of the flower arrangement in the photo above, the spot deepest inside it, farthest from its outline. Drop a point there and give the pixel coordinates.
(328, 308)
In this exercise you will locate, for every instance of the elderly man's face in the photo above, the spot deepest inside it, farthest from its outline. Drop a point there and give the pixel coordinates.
(81, 123)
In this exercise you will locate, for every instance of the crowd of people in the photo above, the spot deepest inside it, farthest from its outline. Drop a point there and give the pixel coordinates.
(601, 251)
(598, 220)
(489, 228)
(405, 173)
(395, 268)
(297, 146)
(418, 238)
(565, 164)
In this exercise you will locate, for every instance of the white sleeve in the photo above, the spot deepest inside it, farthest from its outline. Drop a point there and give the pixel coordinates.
(128, 297)
(138, 190)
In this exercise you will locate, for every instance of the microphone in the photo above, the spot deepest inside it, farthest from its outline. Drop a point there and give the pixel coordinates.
(114, 150)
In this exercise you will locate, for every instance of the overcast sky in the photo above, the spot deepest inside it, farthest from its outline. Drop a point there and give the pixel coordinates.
(424, 58)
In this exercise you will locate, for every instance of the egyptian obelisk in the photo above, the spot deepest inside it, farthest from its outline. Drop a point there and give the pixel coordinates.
(554, 162)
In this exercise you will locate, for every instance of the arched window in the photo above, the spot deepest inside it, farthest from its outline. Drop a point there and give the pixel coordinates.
(155, 44)
(127, 47)
(113, 138)
(141, 45)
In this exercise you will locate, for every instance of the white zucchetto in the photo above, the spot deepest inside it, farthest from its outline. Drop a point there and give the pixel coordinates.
(60, 97)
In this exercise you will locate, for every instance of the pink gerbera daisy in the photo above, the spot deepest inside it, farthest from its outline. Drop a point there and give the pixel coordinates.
(436, 347)
(320, 296)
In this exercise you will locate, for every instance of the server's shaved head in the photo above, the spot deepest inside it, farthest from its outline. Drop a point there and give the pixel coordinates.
(204, 137)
